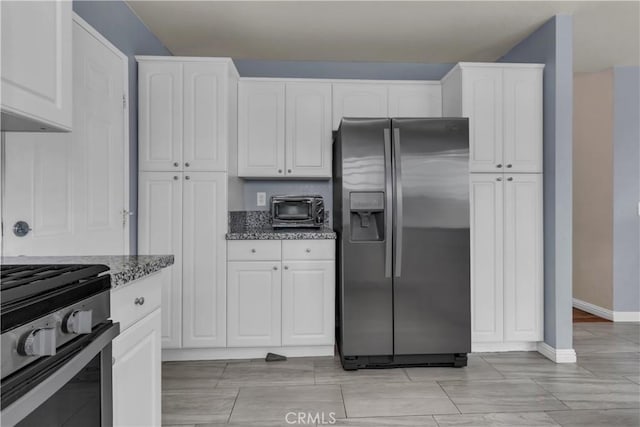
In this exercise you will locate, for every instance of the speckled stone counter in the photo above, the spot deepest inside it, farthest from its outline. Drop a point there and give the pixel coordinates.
(123, 269)
(256, 225)
(268, 233)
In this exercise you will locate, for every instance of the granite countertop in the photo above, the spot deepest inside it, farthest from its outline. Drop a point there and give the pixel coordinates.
(122, 268)
(268, 233)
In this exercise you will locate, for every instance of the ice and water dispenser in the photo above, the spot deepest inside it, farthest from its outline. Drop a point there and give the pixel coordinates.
(367, 216)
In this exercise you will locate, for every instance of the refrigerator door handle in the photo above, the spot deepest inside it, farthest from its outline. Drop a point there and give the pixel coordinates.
(397, 166)
(388, 189)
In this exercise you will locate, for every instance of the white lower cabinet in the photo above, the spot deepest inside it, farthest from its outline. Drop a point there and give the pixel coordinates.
(506, 259)
(254, 303)
(275, 300)
(185, 214)
(136, 353)
(308, 302)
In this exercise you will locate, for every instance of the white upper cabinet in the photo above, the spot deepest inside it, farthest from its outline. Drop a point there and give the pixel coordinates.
(504, 105)
(204, 259)
(415, 99)
(261, 129)
(522, 93)
(359, 100)
(482, 103)
(308, 130)
(523, 257)
(284, 129)
(205, 129)
(184, 113)
(160, 116)
(36, 65)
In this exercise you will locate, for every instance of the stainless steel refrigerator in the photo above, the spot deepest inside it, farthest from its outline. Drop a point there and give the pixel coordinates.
(401, 212)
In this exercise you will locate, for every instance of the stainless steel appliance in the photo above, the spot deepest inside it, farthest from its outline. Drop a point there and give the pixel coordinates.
(297, 211)
(56, 345)
(401, 211)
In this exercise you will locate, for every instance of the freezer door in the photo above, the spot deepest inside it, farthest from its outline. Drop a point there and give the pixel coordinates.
(362, 187)
(431, 236)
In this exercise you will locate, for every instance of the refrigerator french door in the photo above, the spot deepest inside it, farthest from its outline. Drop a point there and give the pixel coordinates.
(401, 210)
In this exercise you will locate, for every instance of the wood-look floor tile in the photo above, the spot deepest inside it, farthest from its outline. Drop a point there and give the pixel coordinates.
(531, 366)
(597, 418)
(477, 368)
(396, 399)
(593, 393)
(509, 395)
(509, 419)
(406, 421)
(197, 407)
(185, 376)
(257, 373)
(273, 403)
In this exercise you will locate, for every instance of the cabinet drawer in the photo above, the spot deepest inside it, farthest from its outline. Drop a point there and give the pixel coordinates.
(253, 250)
(135, 300)
(308, 249)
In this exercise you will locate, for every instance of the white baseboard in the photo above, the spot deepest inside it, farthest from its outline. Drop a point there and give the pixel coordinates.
(180, 354)
(596, 310)
(626, 316)
(605, 313)
(495, 347)
(557, 355)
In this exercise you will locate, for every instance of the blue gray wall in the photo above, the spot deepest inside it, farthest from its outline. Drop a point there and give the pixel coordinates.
(551, 44)
(325, 70)
(626, 189)
(118, 24)
(341, 70)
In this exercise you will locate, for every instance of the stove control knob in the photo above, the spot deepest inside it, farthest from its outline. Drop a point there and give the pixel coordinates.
(38, 342)
(77, 322)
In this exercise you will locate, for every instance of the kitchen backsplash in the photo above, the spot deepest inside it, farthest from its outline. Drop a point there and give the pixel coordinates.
(276, 188)
(249, 220)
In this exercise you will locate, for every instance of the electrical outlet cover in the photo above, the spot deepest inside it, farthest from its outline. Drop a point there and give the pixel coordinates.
(261, 199)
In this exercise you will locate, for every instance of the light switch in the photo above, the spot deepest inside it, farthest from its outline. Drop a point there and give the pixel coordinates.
(261, 199)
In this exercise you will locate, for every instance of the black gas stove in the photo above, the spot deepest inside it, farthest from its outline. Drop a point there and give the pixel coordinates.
(55, 325)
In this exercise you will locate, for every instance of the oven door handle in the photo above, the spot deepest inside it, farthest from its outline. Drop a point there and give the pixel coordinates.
(35, 397)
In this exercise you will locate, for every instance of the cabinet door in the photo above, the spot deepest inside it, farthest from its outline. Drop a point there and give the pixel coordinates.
(415, 100)
(486, 197)
(204, 263)
(261, 129)
(482, 103)
(137, 374)
(359, 100)
(522, 90)
(36, 64)
(523, 280)
(308, 130)
(253, 303)
(160, 116)
(205, 128)
(160, 232)
(308, 303)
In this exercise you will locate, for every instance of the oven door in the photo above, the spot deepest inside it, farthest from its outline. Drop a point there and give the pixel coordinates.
(71, 388)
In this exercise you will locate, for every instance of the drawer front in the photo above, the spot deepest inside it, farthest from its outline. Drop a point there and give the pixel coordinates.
(308, 249)
(137, 299)
(254, 250)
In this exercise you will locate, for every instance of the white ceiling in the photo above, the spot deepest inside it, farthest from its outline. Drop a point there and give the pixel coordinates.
(606, 33)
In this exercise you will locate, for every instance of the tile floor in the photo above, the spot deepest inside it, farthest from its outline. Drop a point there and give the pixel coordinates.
(496, 389)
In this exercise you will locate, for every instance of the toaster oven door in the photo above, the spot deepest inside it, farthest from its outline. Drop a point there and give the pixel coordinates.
(293, 210)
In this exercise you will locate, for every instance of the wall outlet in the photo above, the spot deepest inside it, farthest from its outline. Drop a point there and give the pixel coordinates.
(261, 199)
